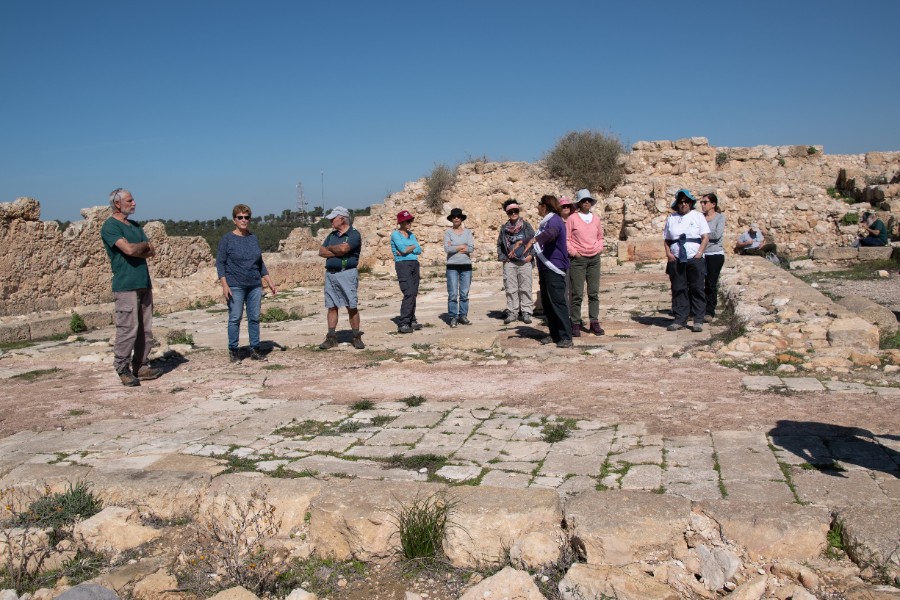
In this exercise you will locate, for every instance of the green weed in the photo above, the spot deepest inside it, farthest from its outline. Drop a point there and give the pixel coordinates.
(412, 401)
(363, 405)
(180, 336)
(422, 525)
(76, 323)
(36, 374)
(274, 314)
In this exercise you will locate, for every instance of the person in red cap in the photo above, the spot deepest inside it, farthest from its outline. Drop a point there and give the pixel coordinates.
(406, 250)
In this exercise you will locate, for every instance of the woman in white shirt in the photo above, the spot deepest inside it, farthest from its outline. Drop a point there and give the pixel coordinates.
(686, 235)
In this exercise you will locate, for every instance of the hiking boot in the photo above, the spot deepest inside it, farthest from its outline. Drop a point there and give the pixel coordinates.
(576, 329)
(127, 379)
(526, 318)
(453, 322)
(357, 342)
(405, 329)
(147, 373)
(233, 355)
(546, 340)
(509, 318)
(330, 342)
(674, 327)
(596, 329)
(698, 327)
(255, 355)
(709, 318)
(416, 326)
(464, 321)
(564, 344)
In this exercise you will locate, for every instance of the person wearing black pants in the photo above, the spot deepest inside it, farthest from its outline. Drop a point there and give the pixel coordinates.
(715, 252)
(553, 298)
(406, 250)
(686, 236)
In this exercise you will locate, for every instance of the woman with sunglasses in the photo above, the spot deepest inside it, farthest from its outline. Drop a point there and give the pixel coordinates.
(714, 256)
(517, 265)
(686, 235)
(240, 267)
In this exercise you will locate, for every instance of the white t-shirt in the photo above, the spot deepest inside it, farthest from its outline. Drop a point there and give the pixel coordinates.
(692, 225)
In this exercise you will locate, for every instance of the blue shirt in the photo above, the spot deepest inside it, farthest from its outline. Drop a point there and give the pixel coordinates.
(399, 242)
(349, 260)
(239, 260)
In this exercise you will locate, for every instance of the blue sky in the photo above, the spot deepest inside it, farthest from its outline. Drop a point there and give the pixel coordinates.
(197, 105)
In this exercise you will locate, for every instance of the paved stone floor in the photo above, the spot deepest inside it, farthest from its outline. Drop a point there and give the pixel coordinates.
(480, 441)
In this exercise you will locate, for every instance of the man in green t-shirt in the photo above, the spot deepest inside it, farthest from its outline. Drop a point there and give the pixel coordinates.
(875, 231)
(128, 249)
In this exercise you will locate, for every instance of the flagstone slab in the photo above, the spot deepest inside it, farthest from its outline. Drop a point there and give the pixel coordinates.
(458, 472)
(416, 419)
(847, 387)
(803, 384)
(524, 451)
(365, 469)
(443, 444)
(642, 477)
(506, 479)
(761, 383)
(561, 464)
(396, 437)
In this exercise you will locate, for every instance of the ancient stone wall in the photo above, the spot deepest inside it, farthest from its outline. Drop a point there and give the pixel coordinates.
(784, 189)
(43, 268)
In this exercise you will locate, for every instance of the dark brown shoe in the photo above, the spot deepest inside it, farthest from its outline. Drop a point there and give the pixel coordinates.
(330, 342)
(128, 379)
(357, 342)
(576, 329)
(147, 373)
(596, 329)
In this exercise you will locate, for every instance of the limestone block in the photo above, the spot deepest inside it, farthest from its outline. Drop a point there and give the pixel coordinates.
(880, 316)
(622, 527)
(358, 518)
(114, 529)
(750, 590)
(166, 494)
(235, 593)
(870, 535)
(83, 591)
(44, 326)
(875, 253)
(793, 531)
(602, 581)
(490, 520)
(853, 332)
(508, 584)
(534, 550)
(26, 209)
(14, 332)
(290, 497)
(161, 585)
(827, 253)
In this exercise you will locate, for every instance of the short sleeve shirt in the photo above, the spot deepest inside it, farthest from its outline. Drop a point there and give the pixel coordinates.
(129, 272)
(349, 260)
(692, 225)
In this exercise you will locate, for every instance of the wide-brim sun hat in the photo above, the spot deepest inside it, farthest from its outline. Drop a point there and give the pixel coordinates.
(687, 194)
(456, 212)
(582, 195)
(404, 216)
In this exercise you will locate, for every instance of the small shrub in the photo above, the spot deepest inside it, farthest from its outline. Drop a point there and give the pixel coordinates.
(302, 428)
(412, 401)
(889, 341)
(721, 158)
(432, 462)
(781, 162)
(835, 538)
(422, 525)
(275, 314)
(442, 178)
(588, 159)
(381, 420)
(831, 191)
(364, 270)
(349, 427)
(180, 336)
(76, 323)
(556, 431)
(811, 150)
(850, 218)
(363, 405)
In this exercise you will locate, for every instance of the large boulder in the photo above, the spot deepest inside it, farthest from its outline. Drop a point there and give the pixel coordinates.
(114, 529)
(880, 316)
(508, 584)
(853, 332)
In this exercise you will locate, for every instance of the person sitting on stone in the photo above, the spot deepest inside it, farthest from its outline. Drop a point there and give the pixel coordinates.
(750, 241)
(874, 231)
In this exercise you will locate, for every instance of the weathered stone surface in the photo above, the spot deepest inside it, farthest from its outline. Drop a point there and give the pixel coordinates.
(535, 549)
(290, 497)
(357, 519)
(161, 585)
(489, 520)
(235, 593)
(880, 316)
(603, 581)
(114, 529)
(166, 494)
(508, 584)
(88, 591)
(301, 594)
(750, 590)
(621, 527)
(872, 535)
(854, 332)
(793, 531)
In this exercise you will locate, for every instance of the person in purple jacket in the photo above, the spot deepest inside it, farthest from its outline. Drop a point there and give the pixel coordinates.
(553, 261)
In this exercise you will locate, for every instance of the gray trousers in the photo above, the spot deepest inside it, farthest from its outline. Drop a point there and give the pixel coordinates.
(584, 269)
(134, 315)
(517, 278)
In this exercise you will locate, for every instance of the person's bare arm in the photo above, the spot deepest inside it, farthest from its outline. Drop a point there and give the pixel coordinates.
(137, 249)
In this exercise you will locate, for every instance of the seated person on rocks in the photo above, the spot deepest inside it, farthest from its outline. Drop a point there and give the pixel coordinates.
(874, 231)
(751, 241)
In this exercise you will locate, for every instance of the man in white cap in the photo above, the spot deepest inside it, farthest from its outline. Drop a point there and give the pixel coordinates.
(750, 240)
(341, 253)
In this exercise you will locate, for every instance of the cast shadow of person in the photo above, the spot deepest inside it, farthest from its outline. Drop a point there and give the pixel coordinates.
(825, 446)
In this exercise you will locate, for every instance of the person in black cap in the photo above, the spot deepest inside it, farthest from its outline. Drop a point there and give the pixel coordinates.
(686, 235)
(458, 244)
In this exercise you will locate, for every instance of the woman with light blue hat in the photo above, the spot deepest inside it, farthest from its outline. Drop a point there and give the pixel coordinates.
(686, 235)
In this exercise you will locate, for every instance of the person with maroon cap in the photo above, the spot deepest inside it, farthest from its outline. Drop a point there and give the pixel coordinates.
(406, 250)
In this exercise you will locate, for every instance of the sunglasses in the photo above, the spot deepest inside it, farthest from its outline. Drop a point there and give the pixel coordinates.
(242, 218)
(514, 211)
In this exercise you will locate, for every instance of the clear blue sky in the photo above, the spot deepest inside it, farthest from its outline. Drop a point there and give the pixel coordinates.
(197, 105)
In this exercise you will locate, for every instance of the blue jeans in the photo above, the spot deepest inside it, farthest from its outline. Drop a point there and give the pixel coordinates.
(252, 296)
(459, 278)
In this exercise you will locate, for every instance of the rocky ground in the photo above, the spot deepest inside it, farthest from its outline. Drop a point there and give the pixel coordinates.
(638, 401)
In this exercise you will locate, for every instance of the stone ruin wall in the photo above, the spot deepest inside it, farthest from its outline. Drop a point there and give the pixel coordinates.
(783, 188)
(44, 268)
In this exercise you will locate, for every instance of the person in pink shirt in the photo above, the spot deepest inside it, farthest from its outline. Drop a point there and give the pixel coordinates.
(584, 233)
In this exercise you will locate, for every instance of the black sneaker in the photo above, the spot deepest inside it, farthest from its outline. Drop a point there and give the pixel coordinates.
(564, 344)
(405, 329)
(416, 325)
(464, 321)
(128, 379)
(546, 340)
(255, 355)
(234, 356)
(453, 322)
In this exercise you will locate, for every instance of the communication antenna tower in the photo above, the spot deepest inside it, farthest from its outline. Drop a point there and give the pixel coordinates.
(301, 198)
